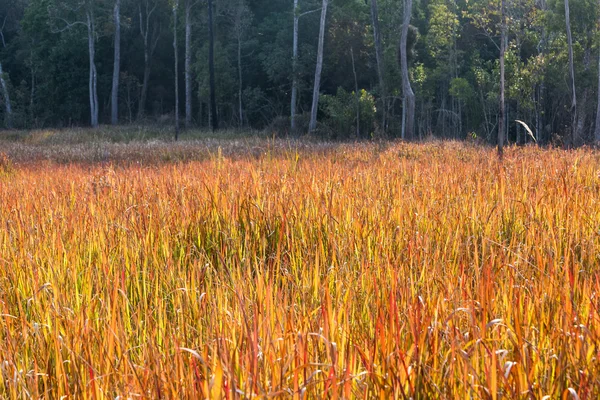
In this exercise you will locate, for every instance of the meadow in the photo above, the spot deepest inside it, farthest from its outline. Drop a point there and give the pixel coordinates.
(281, 269)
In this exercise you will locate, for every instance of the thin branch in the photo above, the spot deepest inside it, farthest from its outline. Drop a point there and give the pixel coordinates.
(310, 12)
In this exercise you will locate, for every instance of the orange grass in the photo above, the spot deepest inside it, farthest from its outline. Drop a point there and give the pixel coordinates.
(364, 271)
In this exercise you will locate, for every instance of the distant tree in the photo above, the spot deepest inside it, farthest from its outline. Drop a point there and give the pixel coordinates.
(211, 68)
(176, 56)
(502, 84)
(574, 126)
(114, 116)
(150, 32)
(84, 12)
(317, 82)
(408, 101)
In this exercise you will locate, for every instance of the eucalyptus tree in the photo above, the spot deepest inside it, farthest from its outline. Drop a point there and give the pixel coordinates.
(294, 100)
(317, 82)
(502, 83)
(211, 67)
(150, 33)
(574, 124)
(114, 99)
(597, 128)
(408, 101)
(176, 57)
(67, 14)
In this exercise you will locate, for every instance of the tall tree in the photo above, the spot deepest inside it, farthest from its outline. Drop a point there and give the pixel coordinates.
(88, 19)
(574, 125)
(146, 9)
(241, 20)
(317, 83)
(294, 100)
(597, 129)
(114, 112)
(379, 59)
(175, 49)
(502, 83)
(408, 109)
(295, 67)
(211, 68)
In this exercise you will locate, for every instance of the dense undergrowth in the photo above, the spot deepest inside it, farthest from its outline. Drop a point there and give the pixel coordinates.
(351, 271)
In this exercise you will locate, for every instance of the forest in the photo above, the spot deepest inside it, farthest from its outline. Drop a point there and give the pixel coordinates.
(494, 71)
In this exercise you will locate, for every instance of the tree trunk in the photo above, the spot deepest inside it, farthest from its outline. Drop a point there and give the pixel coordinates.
(295, 67)
(114, 114)
(317, 85)
(148, 52)
(502, 85)
(574, 130)
(597, 129)
(239, 32)
(408, 118)
(379, 59)
(175, 7)
(356, 94)
(6, 96)
(211, 68)
(93, 80)
(188, 64)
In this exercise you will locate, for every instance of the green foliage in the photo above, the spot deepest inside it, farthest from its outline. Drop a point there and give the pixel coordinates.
(340, 112)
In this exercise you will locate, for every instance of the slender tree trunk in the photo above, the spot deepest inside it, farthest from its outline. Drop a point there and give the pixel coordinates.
(295, 67)
(211, 68)
(574, 132)
(7, 106)
(408, 117)
(379, 59)
(93, 80)
(148, 52)
(356, 94)
(175, 7)
(502, 85)
(597, 128)
(188, 64)
(114, 114)
(317, 85)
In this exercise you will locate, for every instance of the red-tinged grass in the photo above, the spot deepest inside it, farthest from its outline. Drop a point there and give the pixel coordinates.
(364, 271)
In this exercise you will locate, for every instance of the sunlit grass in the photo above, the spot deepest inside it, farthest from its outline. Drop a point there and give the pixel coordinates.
(362, 271)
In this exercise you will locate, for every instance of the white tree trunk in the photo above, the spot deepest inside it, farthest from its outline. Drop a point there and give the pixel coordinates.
(574, 130)
(502, 80)
(176, 56)
(597, 129)
(6, 96)
(93, 80)
(317, 85)
(408, 118)
(295, 67)
(188, 64)
(114, 114)
(148, 51)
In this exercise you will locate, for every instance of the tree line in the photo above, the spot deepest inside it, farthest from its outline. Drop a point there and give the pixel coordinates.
(491, 70)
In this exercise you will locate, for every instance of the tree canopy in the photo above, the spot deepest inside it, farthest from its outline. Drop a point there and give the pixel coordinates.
(453, 51)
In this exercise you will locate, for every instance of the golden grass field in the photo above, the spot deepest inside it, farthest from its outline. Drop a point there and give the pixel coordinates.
(343, 271)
